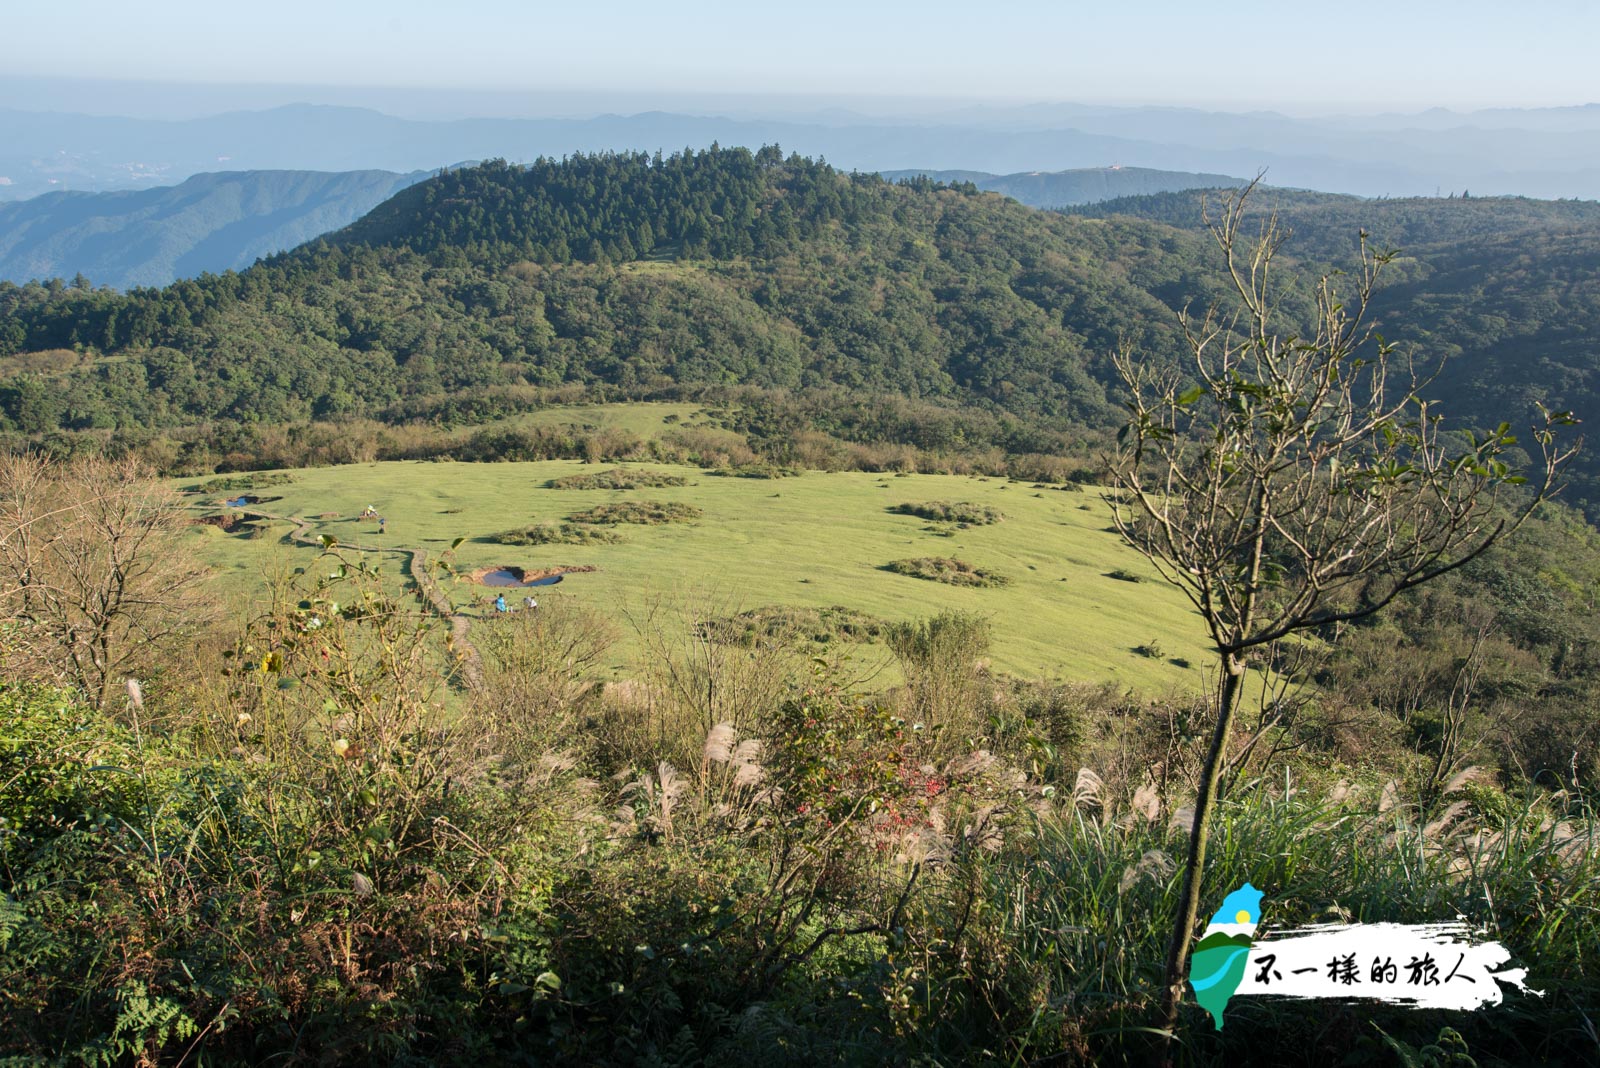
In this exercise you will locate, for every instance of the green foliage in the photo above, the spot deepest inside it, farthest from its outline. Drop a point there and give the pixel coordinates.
(61, 767)
(495, 278)
(1464, 287)
(650, 513)
(1079, 949)
(335, 848)
(485, 282)
(1449, 1050)
(765, 902)
(963, 513)
(618, 478)
(946, 569)
(942, 659)
(556, 534)
(848, 757)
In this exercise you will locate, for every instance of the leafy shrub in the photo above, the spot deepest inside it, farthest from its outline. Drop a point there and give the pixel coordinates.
(649, 513)
(942, 659)
(556, 534)
(965, 513)
(61, 766)
(617, 478)
(754, 471)
(947, 570)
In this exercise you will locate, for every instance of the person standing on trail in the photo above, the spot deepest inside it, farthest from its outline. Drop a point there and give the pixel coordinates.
(381, 522)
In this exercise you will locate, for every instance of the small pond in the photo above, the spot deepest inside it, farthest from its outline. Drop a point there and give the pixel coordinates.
(508, 577)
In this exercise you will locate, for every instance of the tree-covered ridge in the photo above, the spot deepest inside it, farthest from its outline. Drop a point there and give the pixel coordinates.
(642, 273)
(763, 270)
(1505, 291)
(615, 207)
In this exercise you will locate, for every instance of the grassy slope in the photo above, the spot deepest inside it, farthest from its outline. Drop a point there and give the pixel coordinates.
(817, 539)
(647, 419)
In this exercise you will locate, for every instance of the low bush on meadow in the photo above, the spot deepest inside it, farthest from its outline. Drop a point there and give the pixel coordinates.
(556, 534)
(649, 513)
(962, 513)
(946, 569)
(617, 478)
(755, 471)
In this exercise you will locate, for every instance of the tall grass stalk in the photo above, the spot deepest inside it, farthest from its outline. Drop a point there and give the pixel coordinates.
(1084, 913)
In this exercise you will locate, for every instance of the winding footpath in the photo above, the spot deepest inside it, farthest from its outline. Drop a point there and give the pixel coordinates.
(415, 563)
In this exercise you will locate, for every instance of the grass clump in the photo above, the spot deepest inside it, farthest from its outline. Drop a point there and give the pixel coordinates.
(556, 534)
(648, 513)
(754, 471)
(617, 478)
(947, 570)
(964, 513)
(787, 622)
(1124, 575)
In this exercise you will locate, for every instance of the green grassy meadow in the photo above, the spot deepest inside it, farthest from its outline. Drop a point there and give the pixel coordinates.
(818, 539)
(647, 419)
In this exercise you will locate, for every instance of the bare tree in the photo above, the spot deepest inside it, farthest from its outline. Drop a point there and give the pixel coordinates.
(93, 575)
(1286, 482)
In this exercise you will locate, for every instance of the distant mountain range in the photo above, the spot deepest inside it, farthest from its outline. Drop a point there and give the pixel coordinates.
(211, 222)
(1086, 185)
(1539, 153)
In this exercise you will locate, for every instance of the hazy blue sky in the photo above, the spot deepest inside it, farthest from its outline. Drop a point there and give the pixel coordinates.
(1404, 54)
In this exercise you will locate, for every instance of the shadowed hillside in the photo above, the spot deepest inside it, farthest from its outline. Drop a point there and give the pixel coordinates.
(212, 222)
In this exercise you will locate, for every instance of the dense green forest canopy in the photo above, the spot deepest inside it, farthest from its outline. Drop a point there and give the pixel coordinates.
(644, 272)
(1503, 293)
(713, 267)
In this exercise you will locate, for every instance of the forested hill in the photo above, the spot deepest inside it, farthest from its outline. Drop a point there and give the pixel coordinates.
(1327, 225)
(618, 207)
(1504, 290)
(726, 266)
(711, 267)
